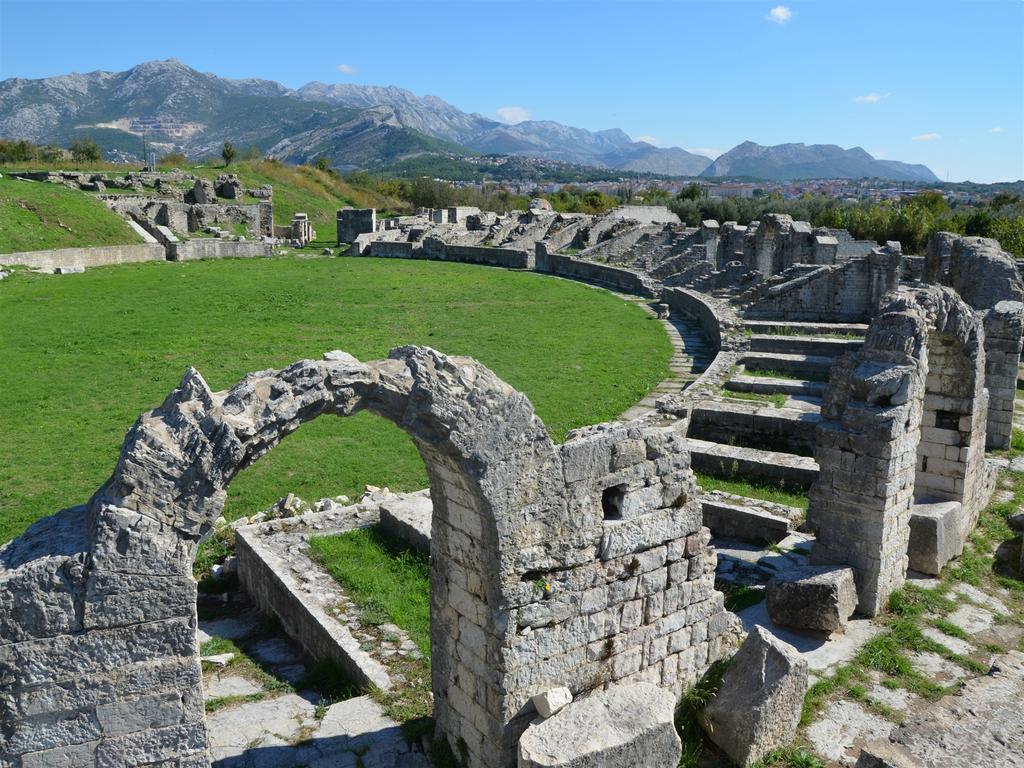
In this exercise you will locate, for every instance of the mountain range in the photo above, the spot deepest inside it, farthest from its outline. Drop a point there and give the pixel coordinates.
(178, 108)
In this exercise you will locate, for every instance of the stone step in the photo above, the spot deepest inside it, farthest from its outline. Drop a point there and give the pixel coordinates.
(765, 385)
(805, 329)
(807, 345)
(754, 425)
(810, 367)
(752, 464)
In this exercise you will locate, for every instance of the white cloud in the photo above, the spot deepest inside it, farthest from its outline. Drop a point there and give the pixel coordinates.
(871, 98)
(346, 69)
(652, 140)
(706, 151)
(997, 129)
(513, 114)
(926, 137)
(780, 14)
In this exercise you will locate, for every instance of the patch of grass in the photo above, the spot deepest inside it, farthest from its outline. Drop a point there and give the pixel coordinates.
(752, 490)
(769, 374)
(687, 718)
(387, 580)
(792, 757)
(777, 399)
(115, 340)
(739, 596)
(36, 216)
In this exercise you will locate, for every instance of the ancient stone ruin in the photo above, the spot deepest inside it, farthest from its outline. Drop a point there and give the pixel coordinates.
(99, 656)
(573, 583)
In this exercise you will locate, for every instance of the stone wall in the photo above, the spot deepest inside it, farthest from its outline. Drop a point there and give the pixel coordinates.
(216, 248)
(572, 565)
(86, 257)
(353, 222)
(849, 292)
(435, 248)
(615, 278)
(986, 277)
(907, 410)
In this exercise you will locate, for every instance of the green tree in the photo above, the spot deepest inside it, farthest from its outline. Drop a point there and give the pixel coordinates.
(692, 192)
(85, 151)
(323, 163)
(228, 152)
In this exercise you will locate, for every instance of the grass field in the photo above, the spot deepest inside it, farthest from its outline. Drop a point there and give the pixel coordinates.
(36, 216)
(84, 355)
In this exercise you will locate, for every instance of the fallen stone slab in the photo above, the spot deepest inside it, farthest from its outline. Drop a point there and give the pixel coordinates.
(408, 517)
(737, 521)
(934, 536)
(757, 708)
(843, 730)
(627, 725)
(819, 598)
(885, 754)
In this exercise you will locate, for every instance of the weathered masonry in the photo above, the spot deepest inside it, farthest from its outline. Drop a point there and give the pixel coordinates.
(575, 565)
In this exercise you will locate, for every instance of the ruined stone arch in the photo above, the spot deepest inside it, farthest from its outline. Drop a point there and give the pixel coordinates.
(903, 421)
(98, 654)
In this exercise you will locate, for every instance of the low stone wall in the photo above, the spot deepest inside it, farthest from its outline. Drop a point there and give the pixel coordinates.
(215, 248)
(616, 278)
(86, 257)
(275, 570)
(433, 248)
(721, 325)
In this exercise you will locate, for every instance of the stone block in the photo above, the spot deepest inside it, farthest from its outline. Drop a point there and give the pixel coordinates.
(815, 597)
(757, 708)
(628, 726)
(935, 535)
(550, 702)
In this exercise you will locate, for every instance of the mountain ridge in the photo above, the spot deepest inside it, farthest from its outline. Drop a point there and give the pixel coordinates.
(362, 126)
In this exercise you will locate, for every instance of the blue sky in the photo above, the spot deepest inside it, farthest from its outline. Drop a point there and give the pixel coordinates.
(926, 81)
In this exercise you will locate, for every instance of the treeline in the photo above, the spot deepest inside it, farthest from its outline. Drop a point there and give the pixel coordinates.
(911, 220)
(423, 192)
(20, 151)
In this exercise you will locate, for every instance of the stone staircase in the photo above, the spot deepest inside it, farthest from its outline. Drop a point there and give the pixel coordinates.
(692, 353)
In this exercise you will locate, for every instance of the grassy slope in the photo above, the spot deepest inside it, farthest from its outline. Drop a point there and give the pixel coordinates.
(37, 216)
(305, 189)
(84, 356)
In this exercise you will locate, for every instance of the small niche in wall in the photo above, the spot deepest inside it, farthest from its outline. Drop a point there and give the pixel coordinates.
(947, 420)
(611, 502)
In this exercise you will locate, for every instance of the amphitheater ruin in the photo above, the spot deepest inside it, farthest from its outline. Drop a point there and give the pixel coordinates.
(575, 588)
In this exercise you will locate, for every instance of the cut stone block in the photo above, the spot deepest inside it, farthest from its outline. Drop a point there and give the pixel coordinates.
(408, 518)
(757, 708)
(735, 521)
(814, 597)
(627, 725)
(934, 536)
(550, 702)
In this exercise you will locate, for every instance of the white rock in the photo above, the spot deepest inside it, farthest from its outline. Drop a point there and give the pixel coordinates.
(549, 702)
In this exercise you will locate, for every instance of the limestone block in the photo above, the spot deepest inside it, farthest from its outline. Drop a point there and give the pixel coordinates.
(757, 708)
(815, 597)
(550, 702)
(628, 726)
(935, 536)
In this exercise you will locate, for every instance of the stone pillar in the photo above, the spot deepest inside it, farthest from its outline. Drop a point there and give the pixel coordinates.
(709, 231)
(826, 249)
(1004, 326)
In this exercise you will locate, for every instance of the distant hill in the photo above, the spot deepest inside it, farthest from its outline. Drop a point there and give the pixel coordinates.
(784, 162)
(178, 108)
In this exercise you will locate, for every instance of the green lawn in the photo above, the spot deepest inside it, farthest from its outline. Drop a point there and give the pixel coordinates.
(36, 216)
(752, 489)
(84, 355)
(388, 581)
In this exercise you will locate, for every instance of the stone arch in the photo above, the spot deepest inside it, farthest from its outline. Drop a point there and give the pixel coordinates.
(903, 422)
(98, 657)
